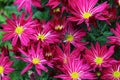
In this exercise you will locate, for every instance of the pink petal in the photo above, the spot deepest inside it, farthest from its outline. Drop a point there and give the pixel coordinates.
(29, 66)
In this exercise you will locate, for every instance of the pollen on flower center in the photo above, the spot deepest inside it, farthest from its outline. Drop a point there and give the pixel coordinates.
(1, 69)
(74, 75)
(87, 15)
(69, 38)
(59, 27)
(116, 74)
(41, 37)
(19, 30)
(99, 60)
(56, 9)
(35, 61)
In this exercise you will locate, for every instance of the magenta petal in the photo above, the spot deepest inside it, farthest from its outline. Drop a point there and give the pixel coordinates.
(8, 70)
(24, 39)
(110, 52)
(42, 67)
(8, 36)
(92, 3)
(14, 40)
(99, 8)
(5, 78)
(23, 52)
(38, 71)
(29, 66)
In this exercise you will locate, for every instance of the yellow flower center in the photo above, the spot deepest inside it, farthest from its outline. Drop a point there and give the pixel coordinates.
(69, 38)
(36, 61)
(41, 37)
(87, 15)
(116, 74)
(74, 75)
(1, 69)
(56, 9)
(19, 30)
(99, 60)
(59, 27)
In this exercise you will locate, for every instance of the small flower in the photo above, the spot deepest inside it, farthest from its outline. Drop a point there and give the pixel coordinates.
(58, 24)
(82, 10)
(5, 67)
(50, 52)
(65, 54)
(18, 29)
(74, 36)
(99, 57)
(112, 73)
(45, 35)
(115, 39)
(34, 56)
(27, 4)
(75, 70)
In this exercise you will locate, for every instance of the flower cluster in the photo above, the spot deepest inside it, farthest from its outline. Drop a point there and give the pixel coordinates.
(60, 43)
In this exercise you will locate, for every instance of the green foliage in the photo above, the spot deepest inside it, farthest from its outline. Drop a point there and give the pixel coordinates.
(44, 15)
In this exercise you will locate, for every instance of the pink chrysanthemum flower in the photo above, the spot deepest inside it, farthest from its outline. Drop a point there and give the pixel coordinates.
(99, 57)
(115, 39)
(49, 52)
(74, 36)
(5, 68)
(58, 24)
(19, 29)
(110, 14)
(45, 35)
(112, 73)
(82, 10)
(75, 70)
(65, 54)
(27, 4)
(34, 56)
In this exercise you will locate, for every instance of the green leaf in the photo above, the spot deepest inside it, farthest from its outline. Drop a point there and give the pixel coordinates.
(15, 76)
(2, 19)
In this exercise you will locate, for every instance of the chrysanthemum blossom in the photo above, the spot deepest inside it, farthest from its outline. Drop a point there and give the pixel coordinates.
(58, 24)
(18, 29)
(5, 68)
(49, 52)
(27, 4)
(112, 73)
(75, 70)
(74, 36)
(45, 35)
(66, 53)
(99, 57)
(82, 10)
(35, 57)
(116, 38)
